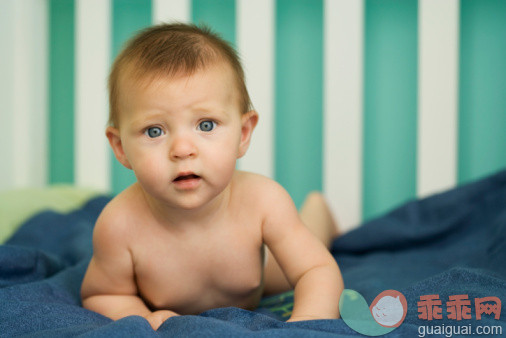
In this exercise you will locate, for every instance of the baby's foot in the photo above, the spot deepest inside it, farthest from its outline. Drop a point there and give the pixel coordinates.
(316, 215)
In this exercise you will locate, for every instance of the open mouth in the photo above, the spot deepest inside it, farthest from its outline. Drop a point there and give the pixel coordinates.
(187, 181)
(186, 177)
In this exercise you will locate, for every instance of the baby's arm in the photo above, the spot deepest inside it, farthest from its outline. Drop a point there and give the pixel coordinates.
(109, 286)
(307, 264)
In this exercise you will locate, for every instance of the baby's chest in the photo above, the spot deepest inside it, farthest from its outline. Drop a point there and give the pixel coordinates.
(194, 277)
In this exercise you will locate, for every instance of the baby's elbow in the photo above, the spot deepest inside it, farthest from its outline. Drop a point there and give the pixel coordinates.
(87, 297)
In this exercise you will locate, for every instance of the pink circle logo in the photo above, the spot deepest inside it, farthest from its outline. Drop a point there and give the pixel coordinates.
(389, 308)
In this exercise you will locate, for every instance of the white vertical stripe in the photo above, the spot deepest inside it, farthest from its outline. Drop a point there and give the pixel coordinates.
(343, 96)
(21, 144)
(438, 91)
(171, 10)
(39, 82)
(7, 128)
(28, 101)
(255, 43)
(92, 52)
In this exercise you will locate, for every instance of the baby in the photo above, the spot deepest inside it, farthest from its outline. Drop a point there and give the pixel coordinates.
(192, 233)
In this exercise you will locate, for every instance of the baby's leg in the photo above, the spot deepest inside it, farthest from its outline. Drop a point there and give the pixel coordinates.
(316, 215)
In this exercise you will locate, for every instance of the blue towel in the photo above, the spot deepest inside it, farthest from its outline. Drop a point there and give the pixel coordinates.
(449, 244)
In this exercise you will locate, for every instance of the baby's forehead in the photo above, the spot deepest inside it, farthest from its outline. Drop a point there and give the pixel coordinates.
(132, 74)
(133, 85)
(215, 83)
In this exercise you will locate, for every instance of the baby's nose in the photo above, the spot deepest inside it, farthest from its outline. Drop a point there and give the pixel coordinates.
(182, 147)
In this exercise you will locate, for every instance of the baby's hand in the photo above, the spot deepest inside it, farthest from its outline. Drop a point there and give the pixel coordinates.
(157, 318)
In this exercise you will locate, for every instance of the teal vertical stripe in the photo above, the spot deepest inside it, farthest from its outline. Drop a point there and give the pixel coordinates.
(390, 107)
(482, 97)
(129, 16)
(218, 14)
(61, 91)
(299, 96)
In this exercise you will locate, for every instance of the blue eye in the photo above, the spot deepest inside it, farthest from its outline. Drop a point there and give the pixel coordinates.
(153, 132)
(207, 125)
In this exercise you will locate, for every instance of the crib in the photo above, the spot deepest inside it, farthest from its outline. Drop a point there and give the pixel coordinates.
(381, 104)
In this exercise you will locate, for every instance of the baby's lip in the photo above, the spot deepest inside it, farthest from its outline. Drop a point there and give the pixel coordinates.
(186, 175)
(186, 181)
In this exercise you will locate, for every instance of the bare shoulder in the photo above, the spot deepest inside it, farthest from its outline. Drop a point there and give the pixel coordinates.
(254, 184)
(262, 191)
(115, 220)
(272, 204)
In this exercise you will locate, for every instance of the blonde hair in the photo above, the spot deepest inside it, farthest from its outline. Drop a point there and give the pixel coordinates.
(169, 50)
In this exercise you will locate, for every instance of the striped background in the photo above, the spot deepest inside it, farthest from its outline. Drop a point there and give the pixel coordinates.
(375, 102)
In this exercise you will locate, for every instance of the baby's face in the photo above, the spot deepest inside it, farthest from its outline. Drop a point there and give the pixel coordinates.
(182, 135)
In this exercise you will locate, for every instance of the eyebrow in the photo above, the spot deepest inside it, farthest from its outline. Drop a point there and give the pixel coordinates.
(207, 111)
(147, 118)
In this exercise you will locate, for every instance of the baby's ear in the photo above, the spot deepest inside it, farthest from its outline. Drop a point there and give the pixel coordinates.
(116, 145)
(248, 122)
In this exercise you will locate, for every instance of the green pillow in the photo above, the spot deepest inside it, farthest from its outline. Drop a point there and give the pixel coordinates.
(17, 206)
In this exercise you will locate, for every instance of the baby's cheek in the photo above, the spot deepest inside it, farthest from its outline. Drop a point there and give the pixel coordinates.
(150, 173)
(221, 158)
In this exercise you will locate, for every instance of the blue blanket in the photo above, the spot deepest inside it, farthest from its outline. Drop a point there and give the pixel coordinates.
(449, 244)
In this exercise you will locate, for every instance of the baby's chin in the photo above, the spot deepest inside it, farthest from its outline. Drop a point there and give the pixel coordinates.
(193, 199)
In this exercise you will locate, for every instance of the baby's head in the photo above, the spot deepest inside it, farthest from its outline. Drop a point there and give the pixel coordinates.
(171, 50)
(180, 113)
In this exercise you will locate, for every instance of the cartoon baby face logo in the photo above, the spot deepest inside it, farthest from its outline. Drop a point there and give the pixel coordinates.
(389, 308)
(386, 313)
